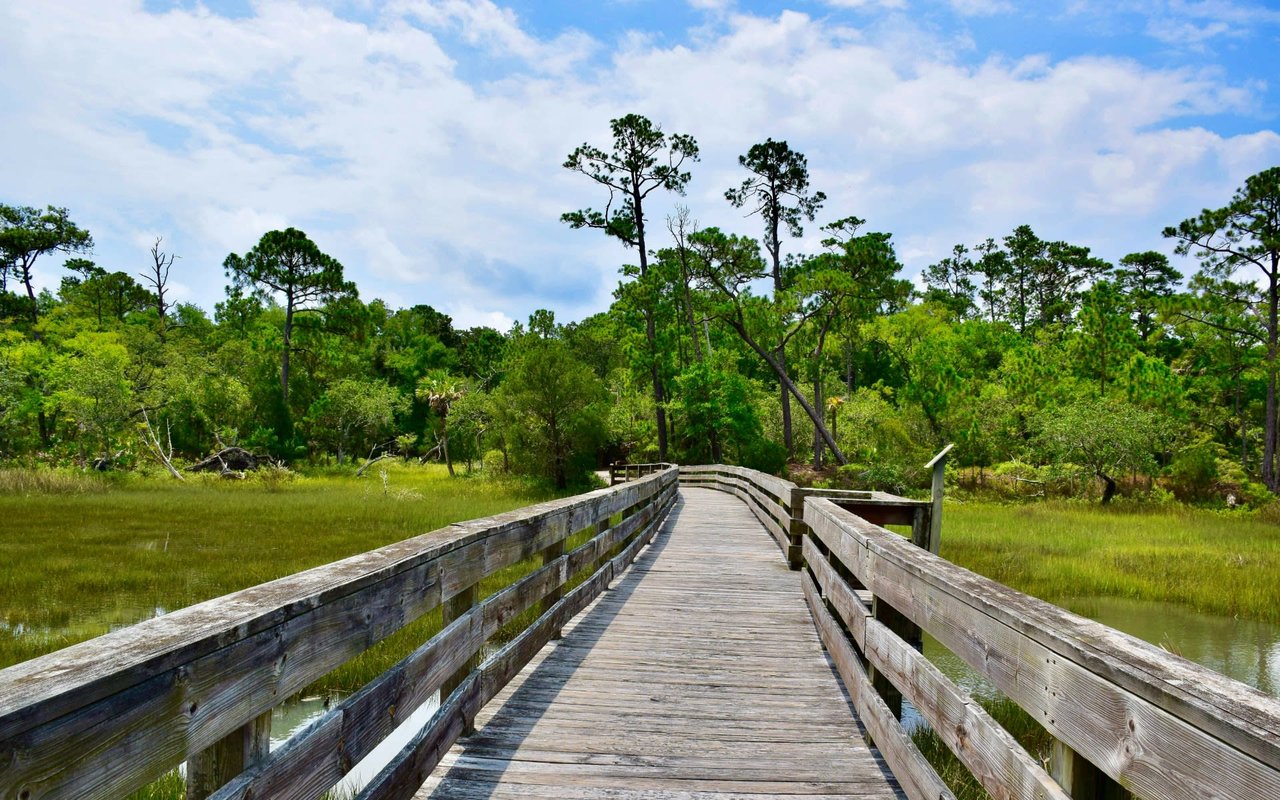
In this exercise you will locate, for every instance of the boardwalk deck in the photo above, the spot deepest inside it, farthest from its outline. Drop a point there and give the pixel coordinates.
(699, 675)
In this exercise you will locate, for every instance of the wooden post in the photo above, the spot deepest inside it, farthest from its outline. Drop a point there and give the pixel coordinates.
(613, 474)
(910, 633)
(453, 608)
(1081, 779)
(797, 529)
(209, 770)
(938, 465)
(920, 526)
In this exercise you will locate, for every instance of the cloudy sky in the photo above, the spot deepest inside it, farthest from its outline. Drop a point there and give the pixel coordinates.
(421, 141)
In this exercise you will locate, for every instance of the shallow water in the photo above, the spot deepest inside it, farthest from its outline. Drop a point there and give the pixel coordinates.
(294, 717)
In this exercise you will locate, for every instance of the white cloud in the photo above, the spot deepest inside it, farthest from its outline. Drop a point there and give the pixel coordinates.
(422, 147)
(979, 8)
(868, 4)
(1186, 24)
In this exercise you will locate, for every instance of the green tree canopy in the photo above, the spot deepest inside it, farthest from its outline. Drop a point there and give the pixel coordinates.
(287, 265)
(26, 234)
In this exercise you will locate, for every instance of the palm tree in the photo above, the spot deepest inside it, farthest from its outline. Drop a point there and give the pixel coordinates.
(441, 390)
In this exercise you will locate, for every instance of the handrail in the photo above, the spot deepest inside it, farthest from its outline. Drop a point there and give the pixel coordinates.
(620, 471)
(105, 717)
(1127, 717)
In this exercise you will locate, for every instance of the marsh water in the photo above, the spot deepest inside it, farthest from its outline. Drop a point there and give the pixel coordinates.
(1246, 650)
(292, 718)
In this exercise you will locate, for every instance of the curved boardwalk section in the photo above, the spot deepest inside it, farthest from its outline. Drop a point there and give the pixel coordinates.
(698, 675)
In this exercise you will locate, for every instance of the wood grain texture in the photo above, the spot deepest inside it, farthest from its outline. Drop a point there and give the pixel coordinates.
(1161, 726)
(698, 675)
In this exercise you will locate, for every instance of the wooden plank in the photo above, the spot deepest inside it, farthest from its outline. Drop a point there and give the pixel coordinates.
(697, 675)
(315, 759)
(1139, 714)
(994, 757)
(243, 749)
(415, 761)
(985, 748)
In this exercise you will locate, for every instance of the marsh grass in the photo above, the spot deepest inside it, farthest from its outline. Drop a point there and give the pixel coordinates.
(1217, 562)
(78, 562)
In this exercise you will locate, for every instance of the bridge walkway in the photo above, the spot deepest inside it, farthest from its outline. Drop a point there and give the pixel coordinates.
(698, 675)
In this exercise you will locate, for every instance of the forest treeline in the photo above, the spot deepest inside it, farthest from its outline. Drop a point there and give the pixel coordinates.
(1047, 366)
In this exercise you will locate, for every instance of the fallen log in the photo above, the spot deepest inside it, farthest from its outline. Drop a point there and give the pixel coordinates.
(229, 459)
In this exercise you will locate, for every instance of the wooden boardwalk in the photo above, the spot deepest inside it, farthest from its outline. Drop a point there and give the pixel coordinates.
(698, 675)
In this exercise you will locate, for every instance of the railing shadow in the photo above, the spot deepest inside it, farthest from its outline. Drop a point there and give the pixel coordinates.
(526, 706)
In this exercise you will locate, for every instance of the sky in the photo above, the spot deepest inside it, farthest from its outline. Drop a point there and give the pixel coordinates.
(421, 142)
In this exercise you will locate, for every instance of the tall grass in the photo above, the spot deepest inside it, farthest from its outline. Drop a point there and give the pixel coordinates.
(77, 564)
(1216, 562)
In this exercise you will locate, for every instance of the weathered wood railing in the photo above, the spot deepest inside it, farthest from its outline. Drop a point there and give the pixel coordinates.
(777, 503)
(1127, 718)
(620, 472)
(104, 717)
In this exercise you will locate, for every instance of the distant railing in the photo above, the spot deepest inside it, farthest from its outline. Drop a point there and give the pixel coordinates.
(1127, 718)
(620, 473)
(105, 717)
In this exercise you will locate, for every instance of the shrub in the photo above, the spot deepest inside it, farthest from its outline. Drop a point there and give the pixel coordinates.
(493, 462)
(765, 455)
(1193, 473)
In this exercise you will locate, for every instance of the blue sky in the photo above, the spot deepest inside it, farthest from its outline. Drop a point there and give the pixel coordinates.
(420, 141)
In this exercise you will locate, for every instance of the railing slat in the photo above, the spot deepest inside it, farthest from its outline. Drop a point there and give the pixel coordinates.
(914, 773)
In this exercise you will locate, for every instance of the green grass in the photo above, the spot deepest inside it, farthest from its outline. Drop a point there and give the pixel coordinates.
(89, 555)
(1216, 562)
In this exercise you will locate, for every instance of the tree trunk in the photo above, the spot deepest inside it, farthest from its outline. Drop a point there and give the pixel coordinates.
(774, 246)
(781, 356)
(1244, 430)
(818, 423)
(817, 437)
(31, 294)
(444, 447)
(284, 356)
(817, 384)
(1269, 445)
(1109, 490)
(659, 398)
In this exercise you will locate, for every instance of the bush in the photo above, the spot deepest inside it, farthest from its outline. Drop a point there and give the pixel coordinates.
(493, 462)
(1193, 473)
(881, 477)
(765, 455)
